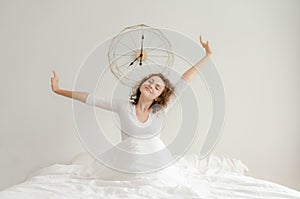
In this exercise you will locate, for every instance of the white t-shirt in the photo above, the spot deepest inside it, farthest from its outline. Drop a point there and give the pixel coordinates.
(129, 123)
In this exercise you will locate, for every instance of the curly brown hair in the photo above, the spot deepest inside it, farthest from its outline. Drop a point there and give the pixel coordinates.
(162, 100)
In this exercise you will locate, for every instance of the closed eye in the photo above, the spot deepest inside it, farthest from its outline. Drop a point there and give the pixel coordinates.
(157, 87)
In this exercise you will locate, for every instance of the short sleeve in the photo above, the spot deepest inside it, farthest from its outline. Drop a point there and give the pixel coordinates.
(180, 87)
(106, 103)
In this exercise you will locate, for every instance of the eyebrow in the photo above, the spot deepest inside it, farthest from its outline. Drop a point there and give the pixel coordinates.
(156, 84)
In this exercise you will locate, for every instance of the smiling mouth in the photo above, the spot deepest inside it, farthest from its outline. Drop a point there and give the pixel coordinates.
(148, 89)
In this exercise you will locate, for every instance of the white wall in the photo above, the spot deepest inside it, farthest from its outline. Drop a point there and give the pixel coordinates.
(256, 49)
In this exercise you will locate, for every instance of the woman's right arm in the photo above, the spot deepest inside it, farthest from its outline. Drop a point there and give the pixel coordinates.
(81, 96)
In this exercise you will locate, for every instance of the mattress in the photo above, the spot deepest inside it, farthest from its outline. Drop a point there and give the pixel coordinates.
(212, 177)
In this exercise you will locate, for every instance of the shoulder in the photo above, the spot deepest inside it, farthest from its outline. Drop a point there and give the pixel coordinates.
(183, 81)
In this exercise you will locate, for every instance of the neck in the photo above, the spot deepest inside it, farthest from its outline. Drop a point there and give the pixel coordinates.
(144, 104)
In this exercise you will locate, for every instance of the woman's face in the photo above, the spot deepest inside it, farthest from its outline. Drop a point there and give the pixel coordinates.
(152, 87)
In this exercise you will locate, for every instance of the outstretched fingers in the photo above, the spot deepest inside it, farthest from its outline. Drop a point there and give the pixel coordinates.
(205, 45)
(201, 40)
(54, 73)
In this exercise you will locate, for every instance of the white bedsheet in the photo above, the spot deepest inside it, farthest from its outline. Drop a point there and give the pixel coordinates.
(58, 181)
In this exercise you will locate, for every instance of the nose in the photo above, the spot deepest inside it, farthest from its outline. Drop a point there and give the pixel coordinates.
(150, 87)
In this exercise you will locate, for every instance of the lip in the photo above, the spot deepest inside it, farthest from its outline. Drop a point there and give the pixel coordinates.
(148, 89)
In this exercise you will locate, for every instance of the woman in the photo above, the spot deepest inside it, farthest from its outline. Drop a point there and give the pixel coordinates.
(141, 121)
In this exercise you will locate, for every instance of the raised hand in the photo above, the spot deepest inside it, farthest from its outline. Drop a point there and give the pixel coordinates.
(54, 82)
(205, 45)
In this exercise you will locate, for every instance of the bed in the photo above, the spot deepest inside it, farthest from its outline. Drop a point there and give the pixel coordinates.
(212, 177)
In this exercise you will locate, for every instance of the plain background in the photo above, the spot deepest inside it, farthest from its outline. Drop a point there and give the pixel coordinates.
(256, 48)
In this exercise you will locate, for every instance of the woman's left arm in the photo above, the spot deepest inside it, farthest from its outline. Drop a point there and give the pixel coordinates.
(191, 73)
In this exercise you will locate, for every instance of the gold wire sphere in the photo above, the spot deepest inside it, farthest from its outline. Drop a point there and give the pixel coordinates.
(139, 46)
